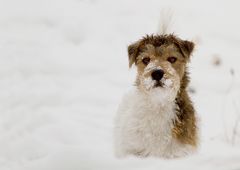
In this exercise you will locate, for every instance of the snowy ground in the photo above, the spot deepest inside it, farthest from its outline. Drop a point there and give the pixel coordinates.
(64, 68)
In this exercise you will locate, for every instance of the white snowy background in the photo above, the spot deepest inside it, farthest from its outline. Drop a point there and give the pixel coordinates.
(64, 68)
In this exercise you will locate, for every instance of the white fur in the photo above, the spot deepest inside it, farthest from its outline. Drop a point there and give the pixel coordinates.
(144, 122)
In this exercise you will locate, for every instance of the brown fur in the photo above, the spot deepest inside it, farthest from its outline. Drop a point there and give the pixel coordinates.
(160, 47)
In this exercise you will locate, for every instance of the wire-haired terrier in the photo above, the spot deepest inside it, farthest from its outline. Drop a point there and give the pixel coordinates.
(157, 117)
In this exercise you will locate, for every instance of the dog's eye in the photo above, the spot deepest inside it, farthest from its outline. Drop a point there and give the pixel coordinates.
(146, 60)
(172, 59)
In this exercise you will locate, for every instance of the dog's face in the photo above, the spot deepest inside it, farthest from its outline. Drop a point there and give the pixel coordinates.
(161, 63)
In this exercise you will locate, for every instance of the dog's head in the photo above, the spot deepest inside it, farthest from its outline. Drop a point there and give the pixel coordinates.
(161, 63)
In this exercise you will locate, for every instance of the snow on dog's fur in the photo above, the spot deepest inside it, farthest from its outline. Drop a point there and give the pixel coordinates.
(157, 118)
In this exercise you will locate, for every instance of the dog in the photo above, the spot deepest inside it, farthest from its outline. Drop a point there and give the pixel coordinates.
(157, 118)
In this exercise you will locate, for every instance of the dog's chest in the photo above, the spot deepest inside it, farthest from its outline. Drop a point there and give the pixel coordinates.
(144, 127)
(154, 124)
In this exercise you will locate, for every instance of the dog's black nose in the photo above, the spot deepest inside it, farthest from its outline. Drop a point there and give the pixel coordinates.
(157, 75)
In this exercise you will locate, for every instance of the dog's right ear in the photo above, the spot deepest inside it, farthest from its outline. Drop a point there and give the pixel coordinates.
(187, 48)
(132, 53)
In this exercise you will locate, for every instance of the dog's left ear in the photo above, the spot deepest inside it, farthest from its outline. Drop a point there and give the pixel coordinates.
(187, 48)
(132, 53)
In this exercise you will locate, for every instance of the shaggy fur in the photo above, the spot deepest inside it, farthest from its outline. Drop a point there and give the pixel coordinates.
(157, 118)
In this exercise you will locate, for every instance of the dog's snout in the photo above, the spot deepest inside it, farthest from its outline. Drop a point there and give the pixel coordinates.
(157, 75)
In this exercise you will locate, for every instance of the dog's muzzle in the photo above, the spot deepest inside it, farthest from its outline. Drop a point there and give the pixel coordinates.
(157, 74)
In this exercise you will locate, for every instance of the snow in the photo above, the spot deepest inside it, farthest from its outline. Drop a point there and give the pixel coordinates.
(151, 66)
(64, 69)
(168, 82)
